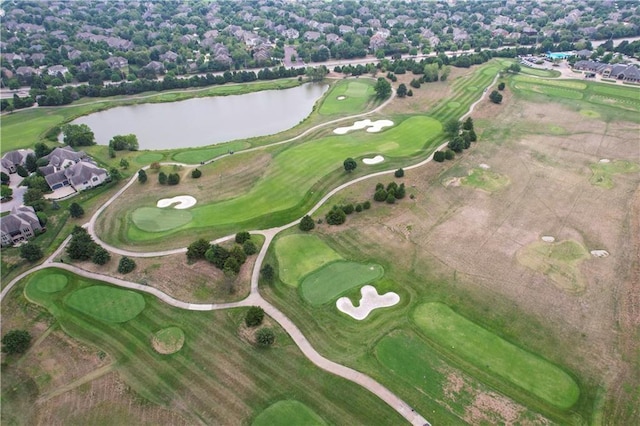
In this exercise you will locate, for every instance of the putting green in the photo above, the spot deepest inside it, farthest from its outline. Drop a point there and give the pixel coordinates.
(333, 279)
(153, 219)
(286, 413)
(603, 172)
(494, 355)
(50, 283)
(149, 157)
(168, 340)
(357, 95)
(300, 254)
(107, 303)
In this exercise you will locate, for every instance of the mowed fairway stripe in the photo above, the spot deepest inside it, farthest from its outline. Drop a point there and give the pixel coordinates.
(491, 353)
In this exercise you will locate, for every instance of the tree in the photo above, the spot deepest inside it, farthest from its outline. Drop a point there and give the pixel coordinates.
(126, 265)
(30, 252)
(124, 163)
(162, 178)
(6, 193)
(254, 316)
(350, 165)
(100, 256)
(42, 218)
(501, 86)
(196, 173)
(41, 149)
(81, 246)
(317, 73)
(468, 124)
(382, 88)
(400, 192)
(380, 195)
(22, 172)
(198, 249)
(173, 179)
(76, 210)
(267, 273)
(336, 216)
(515, 68)
(452, 127)
(243, 236)
(472, 135)
(391, 198)
(347, 209)
(402, 90)
(495, 97)
(366, 205)
(78, 135)
(449, 154)
(16, 341)
(231, 266)
(124, 142)
(5, 178)
(456, 144)
(438, 156)
(249, 248)
(33, 197)
(217, 255)
(307, 224)
(30, 163)
(399, 173)
(265, 337)
(142, 176)
(114, 174)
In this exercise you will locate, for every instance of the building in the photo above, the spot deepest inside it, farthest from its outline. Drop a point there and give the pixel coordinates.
(629, 73)
(12, 159)
(19, 225)
(70, 168)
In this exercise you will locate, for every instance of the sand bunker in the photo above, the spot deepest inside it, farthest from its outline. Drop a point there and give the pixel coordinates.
(341, 98)
(484, 166)
(375, 160)
(600, 253)
(373, 126)
(181, 202)
(605, 160)
(369, 301)
(548, 239)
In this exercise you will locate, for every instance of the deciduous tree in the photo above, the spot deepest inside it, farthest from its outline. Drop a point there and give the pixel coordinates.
(142, 176)
(30, 251)
(307, 224)
(76, 210)
(495, 97)
(350, 165)
(254, 316)
(382, 88)
(16, 341)
(198, 249)
(100, 256)
(126, 265)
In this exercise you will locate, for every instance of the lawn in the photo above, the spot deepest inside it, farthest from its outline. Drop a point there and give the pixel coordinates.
(301, 254)
(51, 283)
(154, 219)
(147, 158)
(485, 180)
(217, 377)
(287, 413)
(108, 304)
(487, 351)
(195, 156)
(330, 281)
(603, 172)
(358, 95)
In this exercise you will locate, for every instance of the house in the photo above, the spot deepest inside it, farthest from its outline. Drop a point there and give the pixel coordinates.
(70, 168)
(12, 159)
(25, 71)
(63, 157)
(169, 56)
(85, 175)
(312, 35)
(19, 225)
(117, 62)
(57, 69)
(155, 66)
(584, 53)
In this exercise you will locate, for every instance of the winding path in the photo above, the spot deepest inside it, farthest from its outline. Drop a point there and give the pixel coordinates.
(254, 298)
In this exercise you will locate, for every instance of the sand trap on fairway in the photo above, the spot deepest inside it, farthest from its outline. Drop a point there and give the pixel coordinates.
(605, 160)
(548, 239)
(600, 253)
(373, 126)
(341, 98)
(375, 160)
(369, 301)
(181, 202)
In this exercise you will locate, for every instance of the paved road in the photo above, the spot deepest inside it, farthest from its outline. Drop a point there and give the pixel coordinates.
(254, 297)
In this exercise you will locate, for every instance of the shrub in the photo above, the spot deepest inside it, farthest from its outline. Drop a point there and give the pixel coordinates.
(238, 254)
(22, 172)
(126, 265)
(197, 249)
(16, 341)
(267, 273)
(410, 93)
(399, 173)
(306, 224)
(100, 256)
(379, 186)
(336, 217)
(241, 237)
(391, 198)
(30, 252)
(76, 210)
(449, 155)
(439, 156)
(380, 195)
(254, 316)
(392, 186)
(265, 337)
(5, 178)
(196, 173)
(358, 207)
(249, 248)
(173, 179)
(501, 86)
(366, 205)
(217, 255)
(495, 97)
(142, 176)
(348, 209)
(400, 192)
(162, 178)
(42, 218)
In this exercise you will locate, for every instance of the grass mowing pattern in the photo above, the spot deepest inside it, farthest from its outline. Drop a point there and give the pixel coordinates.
(489, 352)
(107, 303)
(333, 279)
(300, 254)
(51, 283)
(216, 378)
(195, 156)
(559, 261)
(358, 94)
(603, 172)
(485, 179)
(286, 413)
(154, 219)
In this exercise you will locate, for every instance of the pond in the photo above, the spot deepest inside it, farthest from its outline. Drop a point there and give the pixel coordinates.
(206, 121)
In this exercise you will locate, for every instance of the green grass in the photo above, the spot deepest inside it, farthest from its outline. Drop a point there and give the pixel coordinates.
(485, 180)
(358, 96)
(170, 339)
(301, 254)
(287, 413)
(332, 280)
(217, 377)
(148, 157)
(489, 352)
(603, 172)
(51, 283)
(195, 156)
(154, 219)
(107, 303)
(283, 192)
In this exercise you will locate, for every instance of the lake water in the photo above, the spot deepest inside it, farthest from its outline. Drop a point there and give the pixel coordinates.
(206, 121)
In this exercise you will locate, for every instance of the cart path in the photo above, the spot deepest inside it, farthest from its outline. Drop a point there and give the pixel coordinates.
(254, 298)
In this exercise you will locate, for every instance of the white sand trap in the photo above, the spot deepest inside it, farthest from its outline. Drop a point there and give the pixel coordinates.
(484, 166)
(369, 301)
(373, 126)
(341, 98)
(605, 160)
(600, 253)
(181, 202)
(548, 239)
(375, 160)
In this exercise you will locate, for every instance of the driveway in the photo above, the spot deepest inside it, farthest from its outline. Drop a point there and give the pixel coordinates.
(18, 193)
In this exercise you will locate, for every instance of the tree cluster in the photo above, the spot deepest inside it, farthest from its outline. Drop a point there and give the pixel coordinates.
(228, 260)
(124, 142)
(78, 135)
(82, 247)
(15, 341)
(338, 213)
(495, 97)
(390, 193)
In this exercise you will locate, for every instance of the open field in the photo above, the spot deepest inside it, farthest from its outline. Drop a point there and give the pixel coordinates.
(604, 172)
(348, 97)
(485, 179)
(215, 369)
(301, 254)
(487, 351)
(289, 412)
(333, 279)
